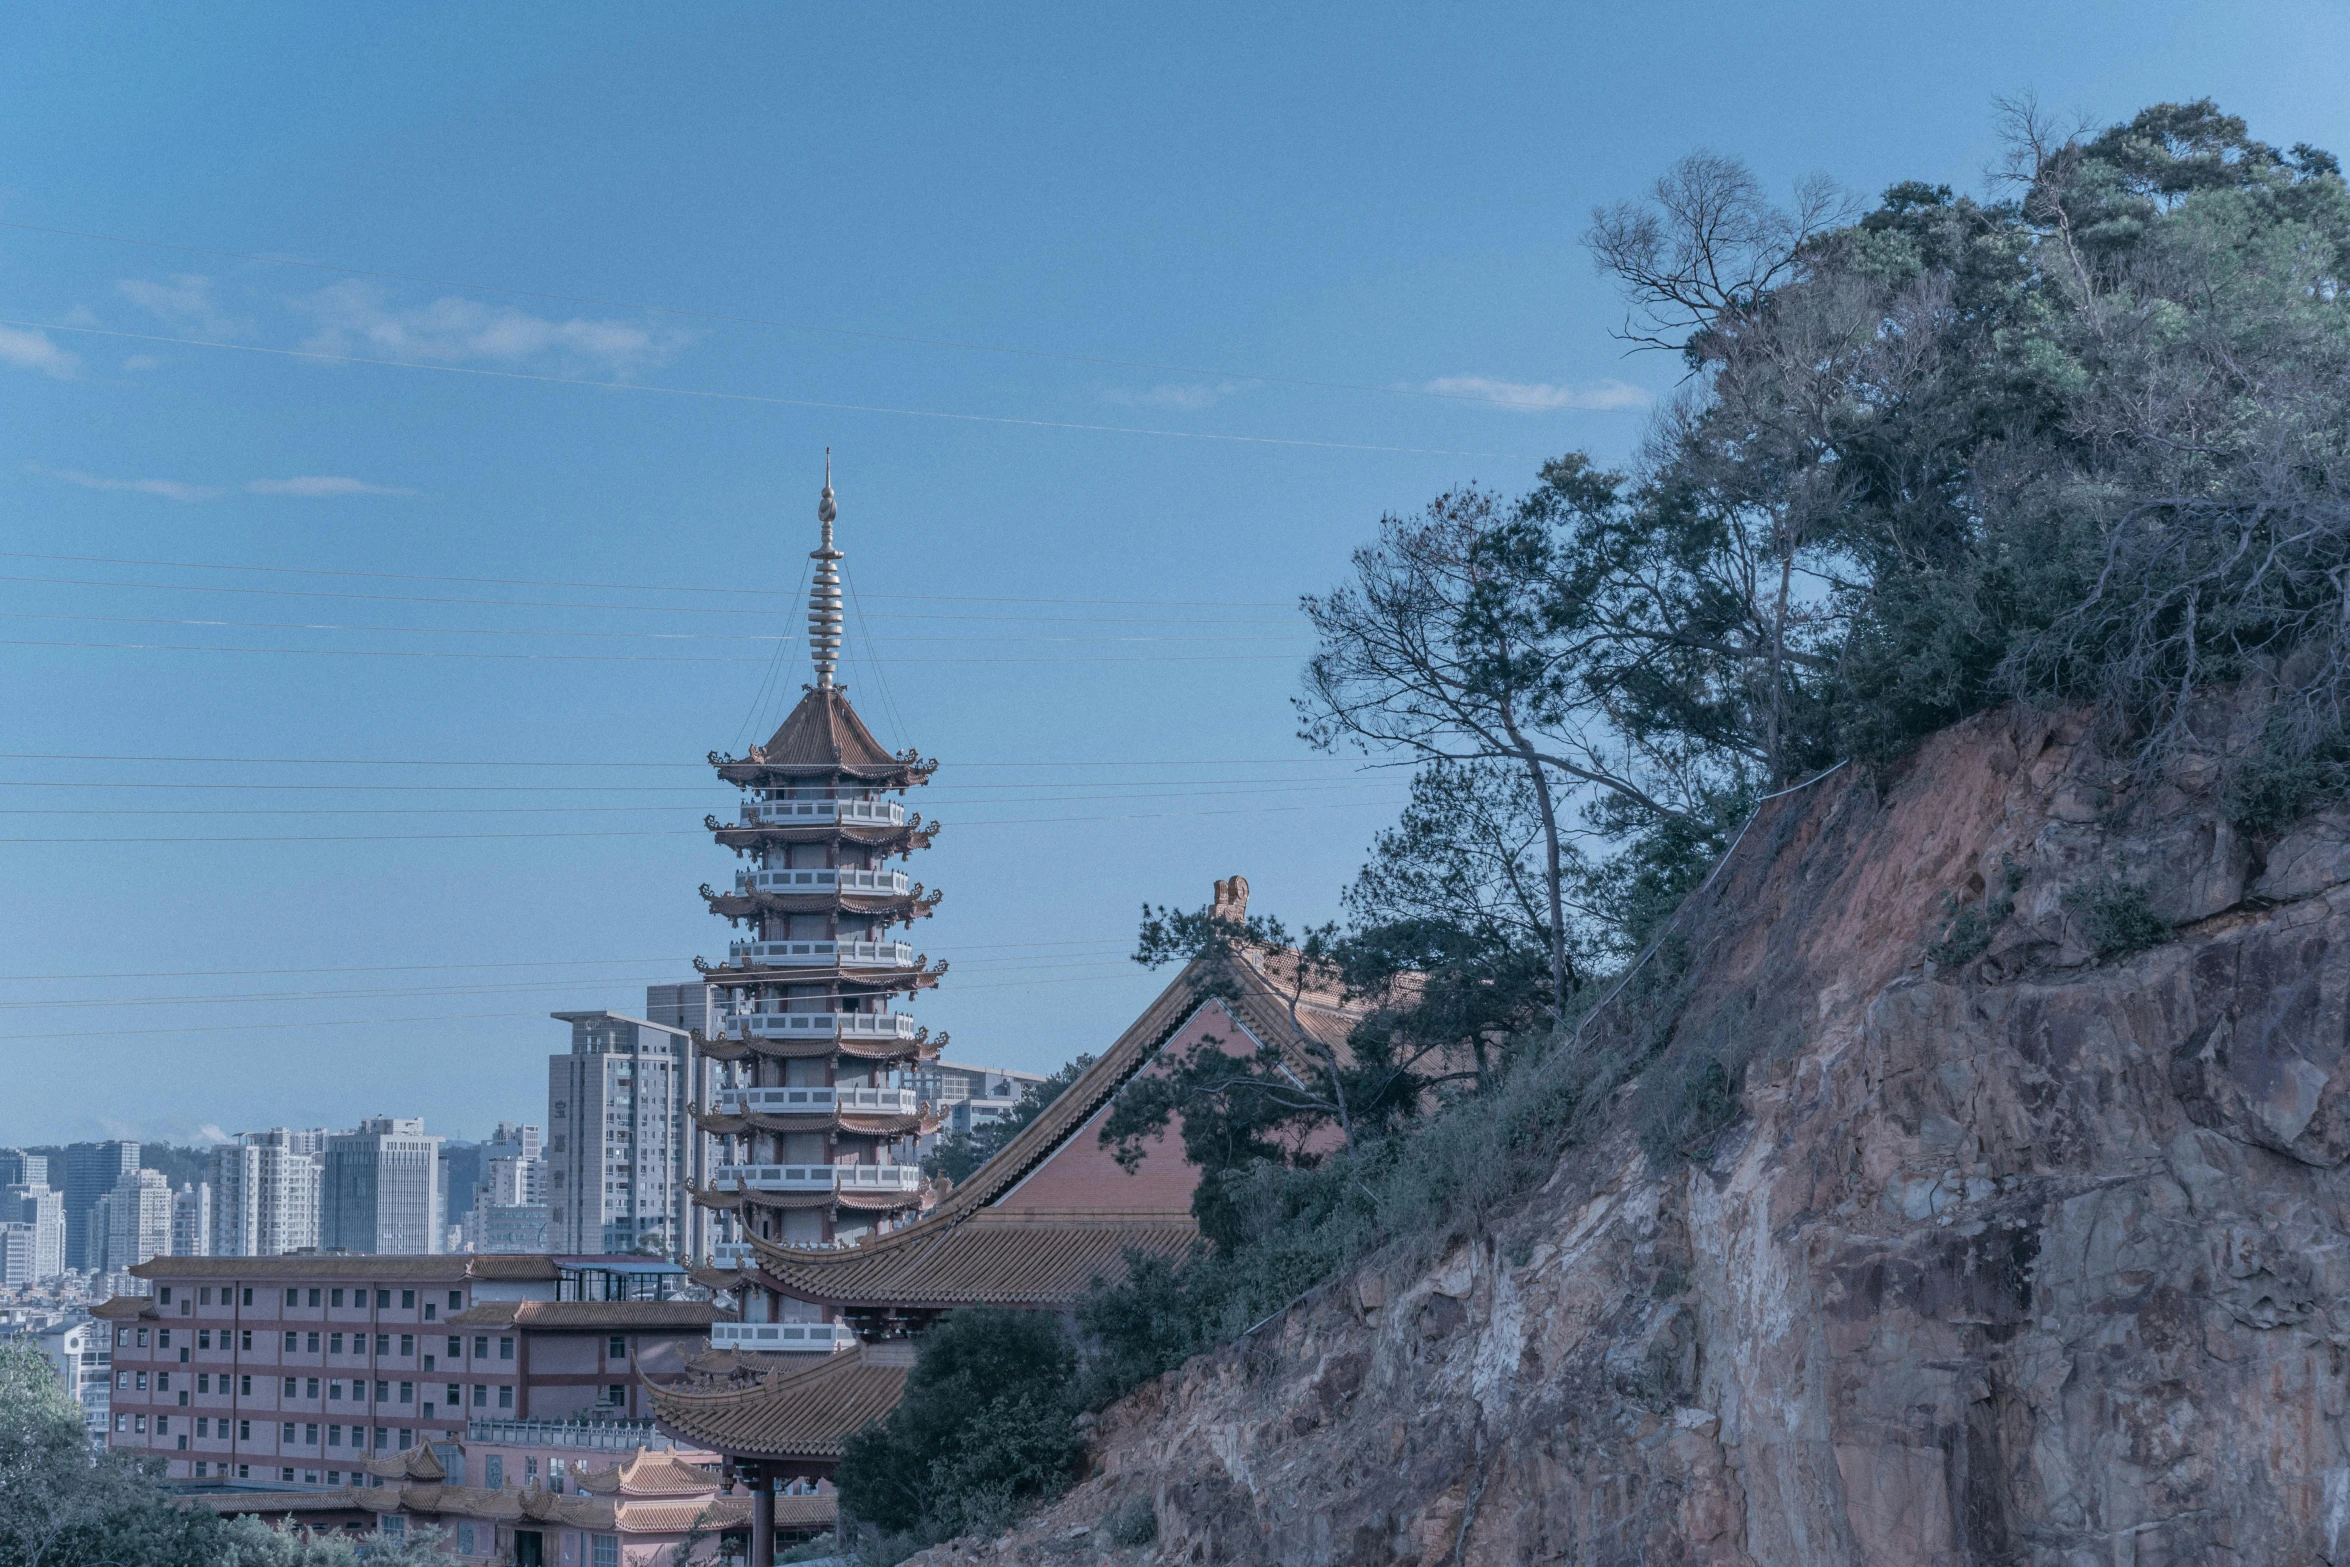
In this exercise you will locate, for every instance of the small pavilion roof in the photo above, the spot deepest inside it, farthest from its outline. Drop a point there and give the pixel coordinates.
(793, 1412)
(126, 1308)
(650, 1474)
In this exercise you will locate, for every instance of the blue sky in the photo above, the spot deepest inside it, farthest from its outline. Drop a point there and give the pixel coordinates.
(1124, 325)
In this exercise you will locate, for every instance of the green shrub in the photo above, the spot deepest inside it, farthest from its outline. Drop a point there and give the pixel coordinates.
(2116, 916)
(1136, 1523)
(987, 1426)
(1967, 930)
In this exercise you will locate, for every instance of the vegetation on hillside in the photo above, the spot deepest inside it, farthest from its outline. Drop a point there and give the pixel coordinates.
(2082, 439)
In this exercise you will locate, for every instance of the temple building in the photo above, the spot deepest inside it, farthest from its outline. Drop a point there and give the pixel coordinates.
(819, 1113)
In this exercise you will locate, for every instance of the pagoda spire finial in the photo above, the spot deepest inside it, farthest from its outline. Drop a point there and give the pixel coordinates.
(824, 618)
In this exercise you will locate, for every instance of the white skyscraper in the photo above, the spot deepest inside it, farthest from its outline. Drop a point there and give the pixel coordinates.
(617, 1135)
(265, 1192)
(35, 1204)
(383, 1189)
(191, 1220)
(138, 1220)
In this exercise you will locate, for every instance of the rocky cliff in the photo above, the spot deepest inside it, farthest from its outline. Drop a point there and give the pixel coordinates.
(2024, 1248)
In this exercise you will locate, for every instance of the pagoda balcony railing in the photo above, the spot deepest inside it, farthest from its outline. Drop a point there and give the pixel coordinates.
(730, 1254)
(785, 1338)
(821, 1025)
(820, 954)
(816, 879)
(819, 1101)
(817, 813)
(818, 1177)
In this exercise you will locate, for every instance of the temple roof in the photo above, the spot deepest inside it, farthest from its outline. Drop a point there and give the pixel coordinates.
(967, 1250)
(417, 1463)
(823, 734)
(800, 1413)
(126, 1308)
(650, 1473)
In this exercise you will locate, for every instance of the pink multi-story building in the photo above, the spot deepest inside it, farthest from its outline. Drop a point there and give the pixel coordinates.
(294, 1370)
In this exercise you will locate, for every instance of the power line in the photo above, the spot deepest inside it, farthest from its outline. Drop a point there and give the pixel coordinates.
(596, 636)
(143, 840)
(653, 587)
(705, 791)
(459, 1017)
(765, 399)
(764, 612)
(698, 766)
(606, 810)
(743, 320)
(622, 658)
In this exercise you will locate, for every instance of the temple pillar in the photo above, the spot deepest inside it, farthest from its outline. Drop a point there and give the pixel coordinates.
(762, 1552)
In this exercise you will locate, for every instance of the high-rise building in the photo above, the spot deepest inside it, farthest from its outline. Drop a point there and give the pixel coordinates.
(91, 1170)
(191, 1220)
(17, 1250)
(138, 1220)
(822, 1117)
(18, 1168)
(383, 1190)
(42, 1210)
(685, 1006)
(265, 1192)
(617, 1131)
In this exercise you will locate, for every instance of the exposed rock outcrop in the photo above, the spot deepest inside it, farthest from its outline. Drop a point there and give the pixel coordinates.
(2027, 1255)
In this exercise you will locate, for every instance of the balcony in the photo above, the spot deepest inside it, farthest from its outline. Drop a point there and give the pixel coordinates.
(824, 813)
(818, 1177)
(730, 1254)
(786, 1338)
(820, 1025)
(822, 879)
(820, 954)
(818, 1101)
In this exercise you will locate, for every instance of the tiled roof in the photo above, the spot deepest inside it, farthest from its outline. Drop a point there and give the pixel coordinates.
(418, 1463)
(588, 1315)
(950, 1257)
(824, 732)
(454, 1268)
(125, 1308)
(649, 1473)
(798, 1413)
(276, 1504)
(994, 1259)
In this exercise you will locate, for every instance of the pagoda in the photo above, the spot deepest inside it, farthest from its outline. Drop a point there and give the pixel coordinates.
(818, 1115)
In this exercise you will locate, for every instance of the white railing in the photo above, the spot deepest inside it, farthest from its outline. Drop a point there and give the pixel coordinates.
(786, 1338)
(818, 1101)
(821, 1025)
(730, 1254)
(813, 813)
(817, 879)
(818, 1177)
(820, 954)
(611, 1436)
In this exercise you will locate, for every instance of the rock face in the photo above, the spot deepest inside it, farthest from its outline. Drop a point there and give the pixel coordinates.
(2018, 1253)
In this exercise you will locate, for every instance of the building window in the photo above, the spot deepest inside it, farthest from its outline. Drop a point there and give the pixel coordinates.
(456, 1300)
(334, 1436)
(383, 1300)
(244, 1434)
(619, 1348)
(248, 1301)
(383, 1392)
(139, 1426)
(465, 1539)
(312, 1345)
(407, 1392)
(309, 1436)
(203, 1338)
(505, 1347)
(481, 1395)
(293, 1297)
(122, 1422)
(314, 1297)
(493, 1471)
(335, 1299)
(165, 1297)
(407, 1344)
(244, 1471)
(407, 1439)
(245, 1336)
(456, 1347)
(456, 1396)
(481, 1346)
(290, 1340)
(245, 1386)
(383, 1343)
(407, 1300)
(163, 1338)
(142, 1338)
(607, 1550)
(290, 1386)
(334, 1390)
(203, 1426)
(334, 1343)
(287, 1475)
(286, 1433)
(506, 1398)
(618, 1394)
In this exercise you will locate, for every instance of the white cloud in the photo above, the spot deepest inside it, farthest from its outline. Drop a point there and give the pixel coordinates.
(169, 489)
(1183, 398)
(354, 316)
(141, 362)
(319, 486)
(1538, 397)
(184, 303)
(34, 351)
